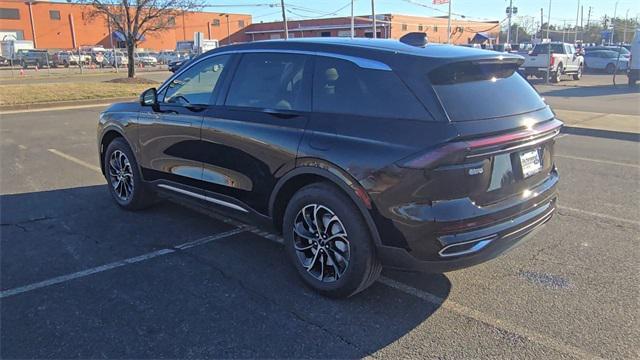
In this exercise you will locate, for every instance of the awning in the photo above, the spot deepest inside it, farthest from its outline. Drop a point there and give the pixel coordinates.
(120, 36)
(481, 37)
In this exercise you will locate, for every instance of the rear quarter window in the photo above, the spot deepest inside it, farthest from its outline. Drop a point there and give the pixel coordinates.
(342, 87)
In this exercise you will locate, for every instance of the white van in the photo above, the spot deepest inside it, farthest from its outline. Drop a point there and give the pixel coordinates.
(633, 73)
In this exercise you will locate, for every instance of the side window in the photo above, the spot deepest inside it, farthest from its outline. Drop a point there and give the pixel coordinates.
(270, 81)
(341, 86)
(195, 85)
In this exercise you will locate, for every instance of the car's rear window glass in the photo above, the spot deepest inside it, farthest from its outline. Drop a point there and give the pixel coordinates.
(342, 87)
(482, 91)
(544, 48)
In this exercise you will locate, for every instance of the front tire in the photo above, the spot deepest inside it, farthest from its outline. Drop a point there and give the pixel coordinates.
(328, 242)
(123, 177)
(578, 75)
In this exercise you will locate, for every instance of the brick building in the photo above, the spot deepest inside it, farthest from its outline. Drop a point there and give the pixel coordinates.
(58, 25)
(391, 26)
(61, 25)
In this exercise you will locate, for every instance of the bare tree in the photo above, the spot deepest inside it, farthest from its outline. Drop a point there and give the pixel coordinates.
(136, 18)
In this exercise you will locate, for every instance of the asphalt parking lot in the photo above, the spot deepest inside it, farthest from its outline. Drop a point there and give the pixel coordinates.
(81, 278)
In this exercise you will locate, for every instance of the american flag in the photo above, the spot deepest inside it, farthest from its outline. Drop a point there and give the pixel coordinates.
(440, 2)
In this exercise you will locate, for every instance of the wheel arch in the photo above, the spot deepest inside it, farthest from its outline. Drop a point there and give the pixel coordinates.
(313, 172)
(107, 138)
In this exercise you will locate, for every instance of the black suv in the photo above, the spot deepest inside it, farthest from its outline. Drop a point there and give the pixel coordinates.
(363, 153)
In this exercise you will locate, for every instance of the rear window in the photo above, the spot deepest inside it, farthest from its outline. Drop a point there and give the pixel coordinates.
(472, 91)
(544, 48)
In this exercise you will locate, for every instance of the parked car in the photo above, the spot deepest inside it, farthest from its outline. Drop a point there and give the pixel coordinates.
(633, 72)
(361, 155)
(120, 58)
(622, 50)
(67, 58)
(564, 60)
(145, 59)
(4, 61)
(165, 57)
(33, 57)
(177, 64)
(606, 60)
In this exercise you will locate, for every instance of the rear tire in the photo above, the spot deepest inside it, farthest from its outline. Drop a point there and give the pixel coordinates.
(556, 75)
(610, 69)
(124, 179)
(328, 241)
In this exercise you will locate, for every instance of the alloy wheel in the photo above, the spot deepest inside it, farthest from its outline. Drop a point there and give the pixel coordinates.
(121, 175)
(321, 243)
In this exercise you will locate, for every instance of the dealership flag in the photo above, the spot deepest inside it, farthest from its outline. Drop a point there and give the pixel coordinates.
(440, 2)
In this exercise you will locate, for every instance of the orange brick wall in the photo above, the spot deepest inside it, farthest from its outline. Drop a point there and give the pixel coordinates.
(57, 34)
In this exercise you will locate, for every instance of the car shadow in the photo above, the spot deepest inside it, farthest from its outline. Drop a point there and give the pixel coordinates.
(590, 91)
(234, 297)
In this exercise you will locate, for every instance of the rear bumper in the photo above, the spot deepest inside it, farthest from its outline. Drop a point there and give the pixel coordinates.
(476, 246)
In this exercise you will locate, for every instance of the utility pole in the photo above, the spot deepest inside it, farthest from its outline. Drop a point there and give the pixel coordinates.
(373, 16)
(449, 24)
(613, 23)
(509, 12)
(626, 21)
(284, 20)
(353, 31)
(549, 45)
(575, 37)
(582, 23)
(541, 23)
(564, 28)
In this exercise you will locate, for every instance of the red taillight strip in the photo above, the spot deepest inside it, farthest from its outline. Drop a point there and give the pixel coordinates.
(516, 136)
(449, 151)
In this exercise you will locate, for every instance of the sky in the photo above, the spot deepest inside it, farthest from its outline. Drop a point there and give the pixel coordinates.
(561, 10)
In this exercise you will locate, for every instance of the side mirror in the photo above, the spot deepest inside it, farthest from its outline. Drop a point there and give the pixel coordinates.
(149, 97)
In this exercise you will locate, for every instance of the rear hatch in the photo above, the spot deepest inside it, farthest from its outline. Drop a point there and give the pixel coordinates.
(504, 146)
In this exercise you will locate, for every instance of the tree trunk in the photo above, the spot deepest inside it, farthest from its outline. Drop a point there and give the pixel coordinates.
(131, 67)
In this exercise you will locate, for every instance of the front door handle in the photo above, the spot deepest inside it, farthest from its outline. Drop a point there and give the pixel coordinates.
(280, 113)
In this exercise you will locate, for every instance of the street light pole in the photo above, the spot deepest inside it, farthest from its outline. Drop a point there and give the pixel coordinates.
(613, 23)
(549, 45)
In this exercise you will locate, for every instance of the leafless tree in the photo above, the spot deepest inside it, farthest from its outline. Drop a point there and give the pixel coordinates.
(136, 18)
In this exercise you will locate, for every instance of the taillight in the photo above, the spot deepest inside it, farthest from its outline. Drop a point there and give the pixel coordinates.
(455, 152)
(552, 60)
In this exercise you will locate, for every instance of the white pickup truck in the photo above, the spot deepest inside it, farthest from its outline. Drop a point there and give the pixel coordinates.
(565, 60)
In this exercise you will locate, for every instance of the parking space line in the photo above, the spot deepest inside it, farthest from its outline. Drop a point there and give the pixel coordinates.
(117, 264)
(76, 160)
(598, 215)
(533, 336)
(598, 161)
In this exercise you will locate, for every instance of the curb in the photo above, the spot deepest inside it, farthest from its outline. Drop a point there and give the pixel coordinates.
(66, 103)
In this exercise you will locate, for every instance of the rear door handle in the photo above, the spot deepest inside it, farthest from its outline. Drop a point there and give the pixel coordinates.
(280, 113)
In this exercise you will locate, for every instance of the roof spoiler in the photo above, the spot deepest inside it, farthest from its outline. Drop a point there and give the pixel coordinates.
(417, 39)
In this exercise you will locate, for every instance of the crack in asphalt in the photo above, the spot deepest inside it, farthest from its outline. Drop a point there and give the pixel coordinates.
(255, 294)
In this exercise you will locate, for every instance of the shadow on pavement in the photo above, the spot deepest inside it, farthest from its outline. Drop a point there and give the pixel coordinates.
(235, 297)
(589, 91)
(605, 134)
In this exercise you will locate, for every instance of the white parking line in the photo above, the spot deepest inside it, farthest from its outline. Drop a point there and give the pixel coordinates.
(116, 264)
(598, 215)
(76, 160)
(598, 161)
(533, 336)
